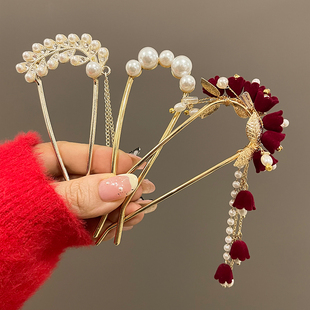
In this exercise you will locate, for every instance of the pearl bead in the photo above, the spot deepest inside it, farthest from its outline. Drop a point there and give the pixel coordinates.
(274, 167)
(236, 184)
(37, 47)
(229, 230)
(226, 256)
(42, 71)
(193, 111)
(103, 52)
(238, 261)
(28, 56)
(52, 63)
(233, 194)
(73, 38)
(230, 284)
(232, 212)
(148, 58)
(230, 221)
(94, 46)
(60, 38)
(133, 68)
(227, 247)
(256, 81)
(75, 60)
(242, 212)
(231, 202)
(285, 123)
(64, 57)
(180, 107)
(165, 58)
(30, 76)
(86, 38)
(181, 66)
(49, 43)
(222, 83)
(187, 83)
(238, 174)
(93, 69)
(228, 239)
(266, 160)
(21, 67)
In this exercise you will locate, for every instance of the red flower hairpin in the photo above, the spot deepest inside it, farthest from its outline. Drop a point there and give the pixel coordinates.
(258, 101)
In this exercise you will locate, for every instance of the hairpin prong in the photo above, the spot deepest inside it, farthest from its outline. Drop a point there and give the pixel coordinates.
(146, 169)
(170, 193)
(50, 128)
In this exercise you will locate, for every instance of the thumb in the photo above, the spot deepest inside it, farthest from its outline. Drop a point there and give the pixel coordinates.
(96, 194)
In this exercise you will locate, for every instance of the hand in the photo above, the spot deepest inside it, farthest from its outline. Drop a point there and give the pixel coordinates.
(90, 197)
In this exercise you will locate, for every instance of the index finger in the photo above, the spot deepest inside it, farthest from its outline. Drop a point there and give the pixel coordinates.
(75, 156)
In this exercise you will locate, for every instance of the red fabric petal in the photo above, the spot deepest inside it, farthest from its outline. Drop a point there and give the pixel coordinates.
(264, 104)
(236, 84)
(275, 161)
(244, 199)
(273, 121)
(224, 274)
(271, 140)
(252, 89)
(257, 162)
(213, 81)
(239, 250)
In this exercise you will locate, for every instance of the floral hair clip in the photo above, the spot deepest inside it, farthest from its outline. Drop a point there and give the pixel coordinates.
(249, 100)
(62, 50)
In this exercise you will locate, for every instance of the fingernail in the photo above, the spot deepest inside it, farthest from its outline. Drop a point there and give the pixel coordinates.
(117, 187)
(135, 152)
(143, 203)
(147, 186)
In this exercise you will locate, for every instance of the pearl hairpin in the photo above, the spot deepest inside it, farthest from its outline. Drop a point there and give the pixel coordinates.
(148, 59)
(62, 50)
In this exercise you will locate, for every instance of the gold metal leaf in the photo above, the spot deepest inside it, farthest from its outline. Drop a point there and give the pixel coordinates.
(244, 157)
(210, 88)
(254, 128)
(209, 111)
(240, 112)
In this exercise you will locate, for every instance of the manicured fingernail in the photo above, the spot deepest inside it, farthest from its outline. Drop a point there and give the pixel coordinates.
(136, 151)
(147, 186)
(117, 187)
(143, 203)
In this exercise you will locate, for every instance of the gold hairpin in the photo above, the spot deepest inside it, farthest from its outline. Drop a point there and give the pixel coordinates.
(62, 50)
(249, 100)
(148, 59)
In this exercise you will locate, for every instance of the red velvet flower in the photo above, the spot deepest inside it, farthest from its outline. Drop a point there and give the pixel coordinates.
(239, 250)
(244, 199)
(257, 162)
(271, 140)
(273, 121)
(213, 81)
(224, 274)
(252, 89)
(236, 84)
(264, 103)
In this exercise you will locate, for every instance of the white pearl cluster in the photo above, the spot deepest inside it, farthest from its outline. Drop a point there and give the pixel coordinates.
(62, 50)
(148, 59)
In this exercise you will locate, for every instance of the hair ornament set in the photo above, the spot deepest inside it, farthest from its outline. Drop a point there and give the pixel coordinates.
(248, 99)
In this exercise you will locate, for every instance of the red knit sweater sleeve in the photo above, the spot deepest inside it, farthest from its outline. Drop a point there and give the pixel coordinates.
(35, 224)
